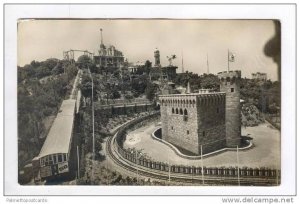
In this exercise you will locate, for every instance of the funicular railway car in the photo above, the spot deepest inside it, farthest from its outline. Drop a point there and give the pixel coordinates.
(55, 160)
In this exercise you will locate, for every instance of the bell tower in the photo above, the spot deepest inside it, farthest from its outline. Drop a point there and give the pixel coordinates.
(157, 58)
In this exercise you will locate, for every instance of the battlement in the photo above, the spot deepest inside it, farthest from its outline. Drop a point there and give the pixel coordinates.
(211, 99)
(229, 74)
(192, 99)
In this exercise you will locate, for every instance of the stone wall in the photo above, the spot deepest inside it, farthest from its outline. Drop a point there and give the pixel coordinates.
(136, 123)
(211, 117)
(192, 120)
(179, 128)
(124, 109)
(230, 84)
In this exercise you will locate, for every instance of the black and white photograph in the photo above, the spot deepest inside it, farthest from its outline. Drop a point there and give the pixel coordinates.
(149, 102)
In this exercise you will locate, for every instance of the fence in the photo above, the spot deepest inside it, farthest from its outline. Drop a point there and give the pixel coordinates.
(132, 156)
(210, 171)
(124, 101)
(136, 123)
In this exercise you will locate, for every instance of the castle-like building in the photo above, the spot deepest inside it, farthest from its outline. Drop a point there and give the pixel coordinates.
(165, 72)
(109, 58)
(204, 121)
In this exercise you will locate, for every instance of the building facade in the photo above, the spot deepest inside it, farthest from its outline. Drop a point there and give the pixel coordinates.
(162, 72)
(206, 121)
(135, 67)
(109, 58)
(230, 83)
(259, 76)
(190, 121)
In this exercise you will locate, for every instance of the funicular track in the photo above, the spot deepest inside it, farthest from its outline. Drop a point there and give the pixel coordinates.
(180, 178)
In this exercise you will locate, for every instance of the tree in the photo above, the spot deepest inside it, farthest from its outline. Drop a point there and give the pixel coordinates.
(210, 81)
(139, 85)
(86, 86)
(36, 101)
(115, 94)
(58, 69)
(150, 91)
(71, 71)
(84, 62)
(50, 63)
(35, 64)
(42, 71)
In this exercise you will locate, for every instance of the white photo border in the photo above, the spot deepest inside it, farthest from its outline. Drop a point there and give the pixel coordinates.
(286, 13)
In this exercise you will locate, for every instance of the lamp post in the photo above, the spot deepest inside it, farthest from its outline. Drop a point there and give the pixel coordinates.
(93, 124)
(137, 169)
(238, 165)
(78, 167)
(202, 173)
(169, 168)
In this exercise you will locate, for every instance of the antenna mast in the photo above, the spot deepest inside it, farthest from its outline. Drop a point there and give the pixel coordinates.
(182, 67)
(207, 63)
(101, 36)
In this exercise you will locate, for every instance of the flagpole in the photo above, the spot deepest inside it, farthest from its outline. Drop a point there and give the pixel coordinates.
(169, 170)
(238, 164)
(78, 168)
(182, 68)
(202, 166)
(207, 63)
(228, 60)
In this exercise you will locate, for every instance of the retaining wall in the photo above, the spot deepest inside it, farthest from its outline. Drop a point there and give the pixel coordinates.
(262, 172)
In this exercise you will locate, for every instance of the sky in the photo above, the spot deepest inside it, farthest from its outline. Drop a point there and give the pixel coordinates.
(190, 40)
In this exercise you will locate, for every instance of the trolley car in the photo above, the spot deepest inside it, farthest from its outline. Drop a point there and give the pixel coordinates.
(55, 158)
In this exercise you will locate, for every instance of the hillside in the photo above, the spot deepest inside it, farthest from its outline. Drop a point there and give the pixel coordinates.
(251, 115)
(41, 88)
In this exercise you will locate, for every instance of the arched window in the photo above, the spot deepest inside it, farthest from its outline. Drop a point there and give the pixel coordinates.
(185, 112)
(176, 111)
(173, 110)
(180, 112)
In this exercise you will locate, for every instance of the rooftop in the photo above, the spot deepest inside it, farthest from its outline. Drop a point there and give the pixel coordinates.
(60, 134)
(193, 94)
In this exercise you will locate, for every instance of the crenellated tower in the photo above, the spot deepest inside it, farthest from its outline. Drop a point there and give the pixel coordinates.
(157, 58)
(230, 84)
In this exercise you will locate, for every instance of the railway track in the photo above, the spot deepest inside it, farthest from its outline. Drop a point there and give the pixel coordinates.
(179, 177)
